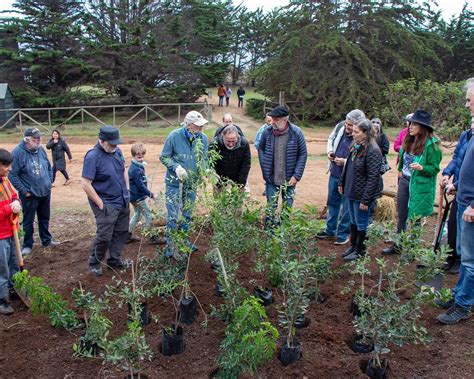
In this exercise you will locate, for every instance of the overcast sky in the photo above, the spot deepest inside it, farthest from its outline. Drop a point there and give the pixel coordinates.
(449, 7)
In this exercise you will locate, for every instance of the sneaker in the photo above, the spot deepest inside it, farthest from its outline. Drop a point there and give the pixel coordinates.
(352, 256)
(392, 250)
(453, 315)
(51, 244)
(5, 308)
(341, 241)
(444, 304)
(122, 264)
(455, 268)
(96, 271)
(323, 235)
(26, 251)
(155, 240)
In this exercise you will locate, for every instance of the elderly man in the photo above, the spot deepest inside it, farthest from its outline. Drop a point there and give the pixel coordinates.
(459, 308)
(184, 154)
(32, 176)
(105, 183)
(227, 120)
(338, 223)
(282, 155)
(235, 159)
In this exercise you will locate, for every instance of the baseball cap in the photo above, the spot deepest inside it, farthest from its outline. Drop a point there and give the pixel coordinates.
(195, 118)
(32, 132)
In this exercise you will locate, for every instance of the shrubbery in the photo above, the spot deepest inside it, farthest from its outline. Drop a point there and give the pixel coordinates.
(254, 108)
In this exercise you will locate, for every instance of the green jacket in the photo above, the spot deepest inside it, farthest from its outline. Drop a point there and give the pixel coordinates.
(423, 183)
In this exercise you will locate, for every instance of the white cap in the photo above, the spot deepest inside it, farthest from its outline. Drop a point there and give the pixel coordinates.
(195, 118)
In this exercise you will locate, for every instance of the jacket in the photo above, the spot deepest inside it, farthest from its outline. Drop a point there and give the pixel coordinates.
(423, 183)
(233, 164)
(399, 140)
(57, 153)
(296, 153)
(178, 150)
(7, 195)
(453, 167)
(335, 137)
(368, 179)
(138, 182)
(383, 143)
(31, 171)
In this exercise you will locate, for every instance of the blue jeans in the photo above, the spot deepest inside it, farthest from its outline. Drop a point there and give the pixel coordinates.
(221, 101)
(359, 217)
(272, 192)
(8, 265)
(39, 206)
(338, 220)
(464, 290)
(141, 210)
(179, 209)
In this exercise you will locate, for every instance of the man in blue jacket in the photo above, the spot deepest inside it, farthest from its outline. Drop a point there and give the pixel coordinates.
(32, 176)
(184, 154)
(282, 155)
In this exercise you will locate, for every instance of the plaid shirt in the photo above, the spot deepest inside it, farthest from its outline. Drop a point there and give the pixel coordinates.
(7, 195)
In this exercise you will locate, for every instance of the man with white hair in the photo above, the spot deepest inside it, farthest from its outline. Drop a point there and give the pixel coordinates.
(32, 176)
(338, 222)
(184, 153)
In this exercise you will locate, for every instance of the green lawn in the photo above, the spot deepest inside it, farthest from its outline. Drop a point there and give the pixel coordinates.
(249, 92)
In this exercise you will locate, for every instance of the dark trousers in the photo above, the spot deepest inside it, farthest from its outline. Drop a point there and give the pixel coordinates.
(111, 234)
(64, 172)
(39, 206)
(227, 99)
(452, 227)
(403, 196)
(241, 102)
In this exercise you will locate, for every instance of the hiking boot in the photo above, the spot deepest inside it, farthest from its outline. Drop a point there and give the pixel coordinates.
(51, 244)
(323, 234)
(120, 265)
(132, 238)
(96, 271)
(456, 267)
(352, 256)
(26, 251)
(155, 240)
(453, 315)
(341, 241)
(444, 304)
(353, 239)
(5, 308)
(391, 250)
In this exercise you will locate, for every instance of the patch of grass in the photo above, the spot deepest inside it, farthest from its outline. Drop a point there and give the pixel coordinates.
(250, 93)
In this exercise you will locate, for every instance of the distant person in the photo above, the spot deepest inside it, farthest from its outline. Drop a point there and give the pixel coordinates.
(228, 93)
(401, 137)
(32, 176)
(282, 154)
(10, 209)
(221, 94)
(227, 120)
(240, 96)
(104, 182)
(59, 149)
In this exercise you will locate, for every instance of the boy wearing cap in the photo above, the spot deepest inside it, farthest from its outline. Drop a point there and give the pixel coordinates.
(32, 176)
(104, 182)
(179, 155)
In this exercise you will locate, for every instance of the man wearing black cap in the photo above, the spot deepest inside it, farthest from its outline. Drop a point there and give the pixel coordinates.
(282, 155)
(32, 176)
(104, 181)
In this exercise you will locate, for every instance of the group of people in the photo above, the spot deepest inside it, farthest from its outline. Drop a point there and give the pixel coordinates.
(356, 151)
(225, 92)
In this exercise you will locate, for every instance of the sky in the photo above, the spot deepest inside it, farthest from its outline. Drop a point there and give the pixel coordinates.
(448, 7)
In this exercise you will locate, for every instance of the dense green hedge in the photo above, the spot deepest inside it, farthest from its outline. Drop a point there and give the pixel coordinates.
(254, 108)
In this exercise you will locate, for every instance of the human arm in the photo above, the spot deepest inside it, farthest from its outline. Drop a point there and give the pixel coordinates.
(91, 193)
(14, 175)
(468, 215)
(433, 156)
(330, 143)
(50, 144)
(301, 158)
(373, 162)
(67, 150)
(246, 164)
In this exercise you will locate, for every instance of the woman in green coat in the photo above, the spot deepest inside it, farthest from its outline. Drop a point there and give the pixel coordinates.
(418, 166)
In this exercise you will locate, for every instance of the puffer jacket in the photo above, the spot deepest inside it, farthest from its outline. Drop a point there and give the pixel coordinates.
(453, 167)
(367, 176)
(57, 153)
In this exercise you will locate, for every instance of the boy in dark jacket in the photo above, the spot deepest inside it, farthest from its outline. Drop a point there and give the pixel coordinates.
(139, 192)
(58, 149)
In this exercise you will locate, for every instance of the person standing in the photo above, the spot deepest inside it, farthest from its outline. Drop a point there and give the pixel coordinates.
(282, 154)
(227, 120)
(418, 166)
(361, 184)
(240, 96)
(337, 149)
(221, 94)
(459, 307)
(10, 209)
(59, 148)
(105, 183)
(228, 93)
(184, 154)
(32, 176)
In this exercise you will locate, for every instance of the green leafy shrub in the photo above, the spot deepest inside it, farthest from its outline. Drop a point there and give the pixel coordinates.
(254, 108)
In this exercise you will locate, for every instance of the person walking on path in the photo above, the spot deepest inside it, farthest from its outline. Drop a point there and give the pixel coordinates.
(184, 154)
(459, 307)
(282, 154)
(418, 166)
(59, 149)
(337, 149)
(361, 184)
(10, 209)
(105, 183)
(32, 176)
(221, 94)
(240, 96)
(228, 93)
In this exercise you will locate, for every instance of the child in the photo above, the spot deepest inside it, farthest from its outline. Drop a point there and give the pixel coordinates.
(58, 147)
(9, 207)
(139, 192)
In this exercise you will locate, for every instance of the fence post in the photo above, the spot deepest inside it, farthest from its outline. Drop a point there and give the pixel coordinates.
(113, 116)
(146, 114)
(179, 114)
(49, 118)
(21, 121)
(82, 118)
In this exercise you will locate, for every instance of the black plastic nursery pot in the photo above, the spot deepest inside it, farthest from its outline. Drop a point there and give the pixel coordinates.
(290, 354)
(215, 265)
(219, 290)
(435, 281)
(172, 343)
(363, 347)
(91, 347)
(265, 295)
(302, 322)
(374, 372)
(144, 314)
(188, 310)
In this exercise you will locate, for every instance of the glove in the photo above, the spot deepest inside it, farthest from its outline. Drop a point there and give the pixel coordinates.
(181, 173)
(15, 206)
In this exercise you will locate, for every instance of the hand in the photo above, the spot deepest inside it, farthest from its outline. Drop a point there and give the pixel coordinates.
(331, 156)
(55, 140)
(15, 206)
(339, 188)
(152, 195)
(416, 166)
(181, 173)
(292, 182)
(443, 182)
(339, 161)
(468, 215)
(28, 194)
(451, 189)
(101, 205)
(363, 207)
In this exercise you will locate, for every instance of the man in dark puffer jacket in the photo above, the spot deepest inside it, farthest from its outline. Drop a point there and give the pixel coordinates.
(235, 160)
